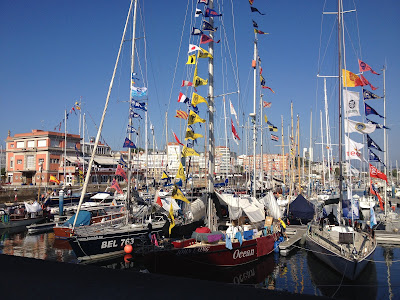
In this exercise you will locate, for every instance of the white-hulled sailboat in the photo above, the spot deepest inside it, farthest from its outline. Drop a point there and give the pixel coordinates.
(341, 246)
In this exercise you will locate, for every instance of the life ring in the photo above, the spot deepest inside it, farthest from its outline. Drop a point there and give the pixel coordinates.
(122, 209)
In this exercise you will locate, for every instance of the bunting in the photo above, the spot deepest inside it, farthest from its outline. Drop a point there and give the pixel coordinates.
(374, 157)
(372, 144)
(374, 172)
(352, 149)
(191, 135)
(353, 126)
(196, 99)
(121, 172)
(259, 31)
(235, 135)
(193, 48)
(208, 27)
(233, 112)
(366, 82)
(171, 215)
(267, 104)
(191, 59)
(369, 95)
(194, 118)
(204, 54)
(189, 152)
(115, 186)
(206, 39)
(351, 103)
(350, 79)
(364, 67)
(181, 114)
(128, 144)
(196, 31)
(375, 193)
(253, 9)
(138, 91)
(138, 105)
(370, 111)
(211, 13)
(54, 179)
(176, 138)
(182, 98)
(378, 126)
(274, 138)
(177, 194)
(181, 173)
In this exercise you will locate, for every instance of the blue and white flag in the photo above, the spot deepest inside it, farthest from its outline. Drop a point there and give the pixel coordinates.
(138, 91)
(378, 126)
(374, 157)
(369, 95)
(208, 27)
(131, 129)
(372, 217)
(370, 111)
(196, 31)
(138, 105)
(372, 144)
(122, 162)
(134, 115)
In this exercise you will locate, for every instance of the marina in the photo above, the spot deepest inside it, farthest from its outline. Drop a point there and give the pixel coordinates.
(174, 176)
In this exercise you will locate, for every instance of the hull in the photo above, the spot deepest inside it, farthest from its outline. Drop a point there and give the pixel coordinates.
(202, 254)
(350, 268)
(20, 222)
(110, 242)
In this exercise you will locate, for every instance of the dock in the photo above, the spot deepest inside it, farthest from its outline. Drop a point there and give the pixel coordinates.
(295, 234)
(387, 238)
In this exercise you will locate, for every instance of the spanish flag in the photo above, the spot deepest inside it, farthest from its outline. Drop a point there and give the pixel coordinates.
(54, 179)
(171, 215)
(177, 194)
(194, 118)
(350, 79)
(189, 152)
(181, 172)
(196, 99)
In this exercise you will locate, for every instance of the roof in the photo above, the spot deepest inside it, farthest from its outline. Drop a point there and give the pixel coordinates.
(106, 160)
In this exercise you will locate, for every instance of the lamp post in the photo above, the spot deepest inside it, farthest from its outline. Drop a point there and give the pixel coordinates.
(40, 181)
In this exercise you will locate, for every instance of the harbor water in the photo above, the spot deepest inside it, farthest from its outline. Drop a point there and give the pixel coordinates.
(299, 272)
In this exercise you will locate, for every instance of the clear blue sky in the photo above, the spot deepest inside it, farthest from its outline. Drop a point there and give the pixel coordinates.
(54, 52)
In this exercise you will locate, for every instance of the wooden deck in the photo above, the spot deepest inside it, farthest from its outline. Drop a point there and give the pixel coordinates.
(295, 233)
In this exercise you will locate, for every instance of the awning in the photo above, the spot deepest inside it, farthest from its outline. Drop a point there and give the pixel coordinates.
(106, 160)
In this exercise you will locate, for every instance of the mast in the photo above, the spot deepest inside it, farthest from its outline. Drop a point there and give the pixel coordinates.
(384, 135)
(65, 146)
(261, 145)
(322, 149)
(309, 157)
(340, 106)
(226, 137)
(253, 115)
(84, 188)
(128, 196)
(83, 144)
(298, 151)
(283, 154)
(166, 139)
(328, 139)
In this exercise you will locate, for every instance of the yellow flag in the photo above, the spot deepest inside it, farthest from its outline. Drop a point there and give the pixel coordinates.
(204, 54)
(171, 215)
(265, 119)
(191, 135)
(177, 194)
(164, 175)
(189, 152)
(350, 79)
(191, 59)
(194, 118)
(199, 81)
(181, 172)
(196, 99)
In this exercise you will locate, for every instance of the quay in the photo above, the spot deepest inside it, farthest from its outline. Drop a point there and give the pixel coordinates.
(23, 277)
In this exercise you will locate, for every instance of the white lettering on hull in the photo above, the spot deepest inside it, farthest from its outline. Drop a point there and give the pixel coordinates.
(241, 254)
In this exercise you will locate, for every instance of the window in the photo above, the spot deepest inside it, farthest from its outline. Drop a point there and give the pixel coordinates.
(54, 161)
(11, 163)
(19, 161)
(41, 160)
(41, 143)
(20, 144)
(12, 145)
(30, 162)
(31, 144)
(54, 143)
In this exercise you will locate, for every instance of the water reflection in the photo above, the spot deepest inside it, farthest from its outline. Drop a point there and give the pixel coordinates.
(41, 246)
(332, 284)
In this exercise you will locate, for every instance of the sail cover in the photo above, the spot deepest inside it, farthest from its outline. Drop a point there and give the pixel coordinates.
(32, 208)
(271, 203)
(82, 219)
(237, 205)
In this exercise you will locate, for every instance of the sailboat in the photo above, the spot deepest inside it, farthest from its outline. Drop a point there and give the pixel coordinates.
(240, 243)
(95, 243)
(340, 246)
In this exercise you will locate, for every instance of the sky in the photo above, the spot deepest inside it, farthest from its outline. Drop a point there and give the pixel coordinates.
(55, 53)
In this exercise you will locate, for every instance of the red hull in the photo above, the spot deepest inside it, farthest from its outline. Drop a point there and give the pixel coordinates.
(215, 254)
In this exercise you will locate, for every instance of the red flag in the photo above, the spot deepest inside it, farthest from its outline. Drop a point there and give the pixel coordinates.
(115, 186)
(234, 131)
(366, 82)
(373, 192)
(364, 67)
(260, 71)
(188, 83)
(374, 172)
(267, 87)
(206, 39)
(176, 138)
(121, 172)
(182, 98)
(267, 104)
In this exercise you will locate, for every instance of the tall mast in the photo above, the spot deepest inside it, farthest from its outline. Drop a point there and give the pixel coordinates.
(284, 166)
(309, 157)
(292, 151)
(96, 143)
(65, 146)
(211, 143)
(166, 139)
(340, 104)
(226, 137)
(261, 145)
(328, 141)
(128, 197)
(83, 144)
(322, 148)
(253, 115)
(298, 151)
(384, 135)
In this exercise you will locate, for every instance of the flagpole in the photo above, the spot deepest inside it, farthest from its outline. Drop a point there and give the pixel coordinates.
(261, 144)
(322, 149)
(283, 155)
(309, 157)
(65, 147)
